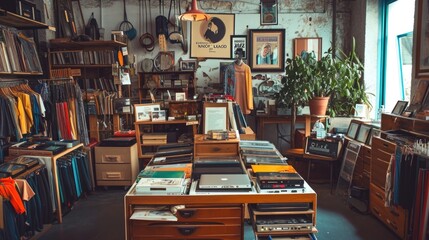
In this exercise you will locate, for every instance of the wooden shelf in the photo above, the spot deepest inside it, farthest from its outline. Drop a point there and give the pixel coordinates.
(81, 66)
(69, 44)
(20, 22)
(21, 73)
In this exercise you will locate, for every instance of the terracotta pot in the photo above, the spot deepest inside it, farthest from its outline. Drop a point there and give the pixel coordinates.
(318, 105)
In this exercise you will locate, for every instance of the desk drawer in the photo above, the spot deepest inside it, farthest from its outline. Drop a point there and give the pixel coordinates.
(225, 215)
(109, 172)
(223, 149)
(113, 154)
(383, 145)
(378, 172)
(366, 156)
(173, 230)
(393, 217)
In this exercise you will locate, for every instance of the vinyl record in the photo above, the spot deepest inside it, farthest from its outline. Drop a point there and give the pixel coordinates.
(147, 65)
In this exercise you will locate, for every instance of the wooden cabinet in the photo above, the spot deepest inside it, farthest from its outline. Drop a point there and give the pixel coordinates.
(210, 148)
(217, 216)
(116, 166)
(146, 150)
(194, 222)
(159, 82)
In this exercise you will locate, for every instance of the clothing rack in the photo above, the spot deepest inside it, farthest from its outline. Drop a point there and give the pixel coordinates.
(12, 82)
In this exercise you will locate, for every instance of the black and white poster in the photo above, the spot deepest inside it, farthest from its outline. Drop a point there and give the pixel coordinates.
(239, 41)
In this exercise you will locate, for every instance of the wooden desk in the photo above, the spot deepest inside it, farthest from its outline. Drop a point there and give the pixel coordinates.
(199, 211)
(263, 120)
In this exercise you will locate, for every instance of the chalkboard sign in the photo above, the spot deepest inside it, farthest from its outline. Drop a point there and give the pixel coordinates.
(323, 147)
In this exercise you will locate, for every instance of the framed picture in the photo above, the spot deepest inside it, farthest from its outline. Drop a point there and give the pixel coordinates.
(266, 50)
(269, 12)
(363, 133)
(158, 116)
(212, 38)
(188, 65)
(308, 45)
(180, 96)
(215, 116)
(142, 111)
(352, 130)
(399, 107)
(239, 41)
(374, 132)
(422, 37)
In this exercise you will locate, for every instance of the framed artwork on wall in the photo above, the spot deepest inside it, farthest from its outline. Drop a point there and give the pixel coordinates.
(239, 41)
(269, 12)
(266, 50)
(422, 53)
(212, 38)
(308, 45)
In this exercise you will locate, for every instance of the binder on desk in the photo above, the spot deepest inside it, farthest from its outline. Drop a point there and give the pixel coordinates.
(273, 168)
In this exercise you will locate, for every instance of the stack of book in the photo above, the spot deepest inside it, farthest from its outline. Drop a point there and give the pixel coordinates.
(154, 138)
(277, 179)
(152, 182)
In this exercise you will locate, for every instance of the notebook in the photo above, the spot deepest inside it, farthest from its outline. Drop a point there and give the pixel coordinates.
(225, 181)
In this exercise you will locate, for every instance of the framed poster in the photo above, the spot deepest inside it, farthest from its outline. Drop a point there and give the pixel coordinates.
(212, 38)
(215, 116)
(352, 130)
(266, 50)
(269, 12)
(422, 37)
(239, 41)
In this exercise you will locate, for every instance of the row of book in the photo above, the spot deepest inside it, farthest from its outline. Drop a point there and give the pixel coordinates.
(102, 84)
(236, 118)
(18, 53)
(80, 57)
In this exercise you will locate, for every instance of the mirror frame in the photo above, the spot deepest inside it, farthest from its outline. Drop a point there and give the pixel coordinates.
(301, 44)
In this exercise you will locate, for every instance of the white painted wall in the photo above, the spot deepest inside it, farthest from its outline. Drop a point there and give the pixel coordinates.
(300, 18)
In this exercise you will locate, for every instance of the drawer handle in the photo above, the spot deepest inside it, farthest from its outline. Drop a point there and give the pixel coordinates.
(216, 149)
(394, 213)
(379, 195)
(385, 145)
(376, 211)
(392, 224)
(186, 231)
(187, 213)
(113, 175)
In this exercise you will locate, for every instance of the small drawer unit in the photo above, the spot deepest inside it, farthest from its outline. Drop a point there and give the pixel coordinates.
(193, 222)
(116, 166)
(205, 147)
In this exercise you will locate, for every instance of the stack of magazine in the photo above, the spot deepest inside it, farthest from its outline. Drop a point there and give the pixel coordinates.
(152, 182)
(260, 152)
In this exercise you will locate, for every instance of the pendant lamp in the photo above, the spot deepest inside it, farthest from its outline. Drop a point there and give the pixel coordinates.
(194, 14)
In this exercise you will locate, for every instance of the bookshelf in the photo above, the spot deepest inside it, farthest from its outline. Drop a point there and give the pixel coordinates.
(18, 53)
(90, 63)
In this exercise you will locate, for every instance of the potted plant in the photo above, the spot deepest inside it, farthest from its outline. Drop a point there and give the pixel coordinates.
(350, 89)
(293, 93)
(338, 79)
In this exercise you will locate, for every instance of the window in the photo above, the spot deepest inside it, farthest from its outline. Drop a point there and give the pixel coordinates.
(397, 64)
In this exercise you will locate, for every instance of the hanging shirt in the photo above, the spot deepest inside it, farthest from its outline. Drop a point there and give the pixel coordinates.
(238, 83)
